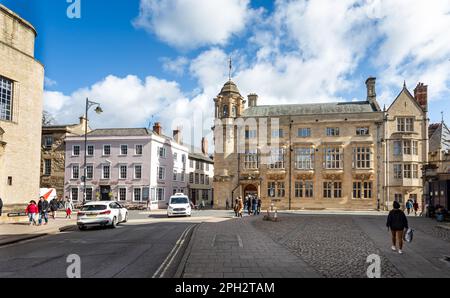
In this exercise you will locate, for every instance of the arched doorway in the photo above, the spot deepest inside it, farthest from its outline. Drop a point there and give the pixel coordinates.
(250, 190)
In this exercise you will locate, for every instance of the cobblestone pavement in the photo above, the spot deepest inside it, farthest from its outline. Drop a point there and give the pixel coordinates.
(333, 245)
(235, 249)
(338, 245)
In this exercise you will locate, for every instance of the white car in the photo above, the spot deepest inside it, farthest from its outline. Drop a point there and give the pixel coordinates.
(101, 213)
(179, 204)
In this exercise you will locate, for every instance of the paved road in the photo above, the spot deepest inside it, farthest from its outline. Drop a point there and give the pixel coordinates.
(130, 250)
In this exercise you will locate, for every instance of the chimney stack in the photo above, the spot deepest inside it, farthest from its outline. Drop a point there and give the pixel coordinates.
(177, 135)
(157, 128)
(252, 100)
(83, 122)
(421, 95)
(204, 146)
(371, 93)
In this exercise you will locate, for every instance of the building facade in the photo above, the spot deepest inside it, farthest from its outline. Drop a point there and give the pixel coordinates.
(53, 152)
(200, 175)
(21, 93)
(312, 156)
(133, 166)
(438, 168)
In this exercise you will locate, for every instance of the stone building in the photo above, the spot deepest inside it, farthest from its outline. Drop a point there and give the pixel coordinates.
(315, 156)
(21, 93)
(53, 153)
(438, 169)
(130, 165)
(201, 172)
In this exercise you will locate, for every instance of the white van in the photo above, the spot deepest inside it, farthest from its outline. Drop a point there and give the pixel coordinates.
(179, 204)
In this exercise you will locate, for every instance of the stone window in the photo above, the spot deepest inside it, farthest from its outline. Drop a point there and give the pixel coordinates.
(271, 189)
(90, 150)
(362, 158)
(407, 147)
(175, 156)
(251, 134)
(106, 172)
(280, 190)
(332, 189)
(333, 158)
(276, 159)
(407, 173)
(304, 158)
(75, 171)
(362, 131)
(415, 171)
(206, 179)
(106, 150)
(202, 179)
(161, 173)
(233, 111)
(405, 124)
(123, 169)
(138, 149)
(250, 159)
(137, 194)
(415, 146)
(191, 178)
(191, 163)
(397, 148)
(304, 132)
(332, 131)
(89, 172)
(304, 189)
(197, 178)
(398, 171)
(137, 171)
(362, 190)
(175, 175)
(74, 194)
(122, 194)
(398, 197)
(277, 133)
(89, 194)
(205, 195)
(160, 194)
(123, 149)
(225, 111)
(162, 152)
(48, 142)
(6, 99)
(76, 150)
(47, 167)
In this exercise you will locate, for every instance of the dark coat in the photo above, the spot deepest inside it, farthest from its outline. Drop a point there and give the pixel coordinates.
(397, 220)
(1, 203)
(43, 206)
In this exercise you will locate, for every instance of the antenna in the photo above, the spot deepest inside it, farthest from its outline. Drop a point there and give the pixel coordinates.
(230, 65)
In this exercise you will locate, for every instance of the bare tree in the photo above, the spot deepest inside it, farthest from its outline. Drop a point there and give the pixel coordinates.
(47, 119)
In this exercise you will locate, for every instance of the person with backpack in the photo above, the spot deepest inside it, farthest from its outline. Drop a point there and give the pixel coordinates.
(254, 206)
(32, 211)
(397, 223)
(53, 207)
(408, 206)
(43, 210)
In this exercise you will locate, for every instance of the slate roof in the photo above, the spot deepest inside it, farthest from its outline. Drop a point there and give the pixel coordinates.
(120, 132)
(200, 156)
(440, 139)
(310, 109)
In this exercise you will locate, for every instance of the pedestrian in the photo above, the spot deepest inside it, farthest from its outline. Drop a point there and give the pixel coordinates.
(397, 223)
(203, 204)
(259, 205)
(408, 206)
(32, 211)
(415, 207)
(254, 205)
(249, 206)
(43, 210)
(236, 207)
(1, 206)
(227, 205)
(68, 206)
(240, 206)
(53, 207)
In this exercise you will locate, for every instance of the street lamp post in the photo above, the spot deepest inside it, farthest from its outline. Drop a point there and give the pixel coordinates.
(98, 110)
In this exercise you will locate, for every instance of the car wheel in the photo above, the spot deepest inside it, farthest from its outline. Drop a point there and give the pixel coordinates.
(81, 227)
(114, 222)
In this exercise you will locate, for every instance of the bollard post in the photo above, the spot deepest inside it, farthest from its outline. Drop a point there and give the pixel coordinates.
(275, 215)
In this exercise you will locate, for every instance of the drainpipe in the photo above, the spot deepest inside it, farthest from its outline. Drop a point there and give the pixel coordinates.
(238, 176)
(290, 162)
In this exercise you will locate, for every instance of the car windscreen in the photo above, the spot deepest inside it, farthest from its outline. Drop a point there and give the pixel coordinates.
(93, 208)
(180, 200)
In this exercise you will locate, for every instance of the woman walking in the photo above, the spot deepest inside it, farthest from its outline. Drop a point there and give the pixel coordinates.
(32, 211)
(53, 207)
(240, 206)
(397, 223)
(68, 206)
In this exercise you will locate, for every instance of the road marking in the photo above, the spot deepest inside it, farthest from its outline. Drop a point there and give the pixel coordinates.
(240, 240)
(169, 259)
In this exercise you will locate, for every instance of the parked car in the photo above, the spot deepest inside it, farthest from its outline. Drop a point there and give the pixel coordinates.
(179, 204)
(101, 213)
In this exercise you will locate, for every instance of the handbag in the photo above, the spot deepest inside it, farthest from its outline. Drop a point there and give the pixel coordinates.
(409, 235)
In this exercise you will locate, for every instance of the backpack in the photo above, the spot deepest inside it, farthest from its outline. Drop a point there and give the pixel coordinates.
(408, 237)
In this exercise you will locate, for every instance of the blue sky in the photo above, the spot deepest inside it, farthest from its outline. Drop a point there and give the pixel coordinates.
(162, 60)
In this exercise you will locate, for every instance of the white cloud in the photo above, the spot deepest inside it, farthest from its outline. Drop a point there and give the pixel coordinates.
(193, 23)
(176, 66)
(49, 82)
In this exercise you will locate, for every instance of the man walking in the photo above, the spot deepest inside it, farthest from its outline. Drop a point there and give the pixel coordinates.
(254, 206)
(397, 223)
(43, 210)
(408, 206)
(259, 205)
(1, 206)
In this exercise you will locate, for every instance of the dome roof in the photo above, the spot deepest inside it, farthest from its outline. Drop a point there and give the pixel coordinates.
(229, 87)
